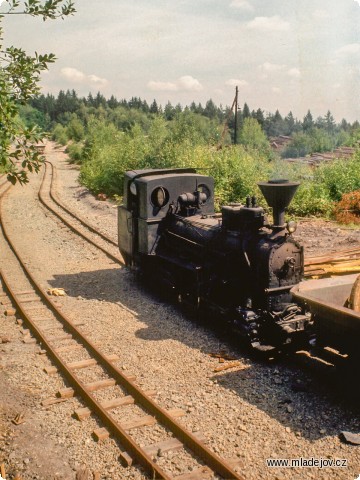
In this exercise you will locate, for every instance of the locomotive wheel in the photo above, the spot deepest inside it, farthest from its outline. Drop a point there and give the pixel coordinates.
(354, 299)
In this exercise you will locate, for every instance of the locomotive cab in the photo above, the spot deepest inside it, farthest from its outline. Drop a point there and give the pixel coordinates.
(148, 194)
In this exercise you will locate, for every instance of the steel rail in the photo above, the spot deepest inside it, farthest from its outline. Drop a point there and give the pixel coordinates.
(67, 210)
(72, 227)
(189, 439)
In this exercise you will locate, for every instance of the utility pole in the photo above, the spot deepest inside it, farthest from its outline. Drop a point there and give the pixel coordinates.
(236, 115)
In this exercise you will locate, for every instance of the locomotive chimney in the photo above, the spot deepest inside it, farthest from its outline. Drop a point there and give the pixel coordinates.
(278, 194)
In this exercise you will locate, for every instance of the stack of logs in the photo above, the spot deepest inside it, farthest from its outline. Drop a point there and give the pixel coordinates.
(340, 263)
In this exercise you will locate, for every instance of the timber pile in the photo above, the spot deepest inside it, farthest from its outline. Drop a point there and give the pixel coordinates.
(317, 158)
(339, 263)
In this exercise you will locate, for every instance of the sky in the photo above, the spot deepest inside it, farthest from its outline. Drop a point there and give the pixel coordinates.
(291, 55)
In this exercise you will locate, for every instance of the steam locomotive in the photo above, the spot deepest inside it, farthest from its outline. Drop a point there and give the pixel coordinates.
(234, 264)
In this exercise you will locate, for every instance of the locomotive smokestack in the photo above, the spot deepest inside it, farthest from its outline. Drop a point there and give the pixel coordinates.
(278, 194)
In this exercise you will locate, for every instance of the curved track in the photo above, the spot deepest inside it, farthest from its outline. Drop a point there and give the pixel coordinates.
(72, 226)
(53, 326)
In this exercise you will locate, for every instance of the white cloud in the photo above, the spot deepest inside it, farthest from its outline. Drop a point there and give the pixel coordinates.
(187, 82)
(357, 1)
(294, 72)
(97, 80)
(162, 86)
(73, 74)
(242, 5)
(351, 48)
(268, 67)
(76, 76)
(269, 24)
(235, 82)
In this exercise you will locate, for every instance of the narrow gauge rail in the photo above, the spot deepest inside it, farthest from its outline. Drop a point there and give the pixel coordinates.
(106, 250)
(53, 196)
(116, 377)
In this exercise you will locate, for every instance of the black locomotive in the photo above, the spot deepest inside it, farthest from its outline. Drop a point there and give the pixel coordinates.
(234, 263)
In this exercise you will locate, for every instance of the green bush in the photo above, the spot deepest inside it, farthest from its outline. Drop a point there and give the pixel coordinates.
(59, 134)
(75, 152)
(75, 130)
(340, 176)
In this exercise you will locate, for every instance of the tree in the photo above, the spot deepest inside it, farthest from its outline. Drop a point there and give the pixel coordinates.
(19, 78)
(259, 116)
(308, 122)
(169, 111)
(154, 107)
(252, 135)
(330, 124)
(289, 123)
(210, 109)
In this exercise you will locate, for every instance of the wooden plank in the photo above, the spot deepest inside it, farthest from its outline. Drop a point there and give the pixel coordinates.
(125, 459)
(90, 362)
(202, 473)
(58, 338)
(112, 357)
(117, 402)
(66, 393)
(68, 348)
(228, 365)
(27, 339)
(83, 413)
(29, 300)
(100, 384)
(93, 386)
(2, 470)
(49, 328)
(100, 434)
(176, 412)
(50, 370)
(172, 444)
(138, 422)
(52, 401)
(82, 364)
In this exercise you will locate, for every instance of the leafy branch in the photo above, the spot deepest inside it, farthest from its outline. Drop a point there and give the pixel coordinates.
(19, 81)
(50, 9)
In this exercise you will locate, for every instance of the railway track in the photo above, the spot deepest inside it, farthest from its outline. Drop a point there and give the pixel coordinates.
(52, 328)
(77, 225)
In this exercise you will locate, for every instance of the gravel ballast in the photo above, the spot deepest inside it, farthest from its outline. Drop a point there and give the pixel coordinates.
(258, 410)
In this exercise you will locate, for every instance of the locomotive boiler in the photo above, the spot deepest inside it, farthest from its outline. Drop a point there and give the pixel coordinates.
(234, 264)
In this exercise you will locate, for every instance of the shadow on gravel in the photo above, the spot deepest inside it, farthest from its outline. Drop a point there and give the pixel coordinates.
(304, 396)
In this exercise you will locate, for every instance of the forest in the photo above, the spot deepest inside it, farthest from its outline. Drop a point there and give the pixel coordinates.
(106, 137)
